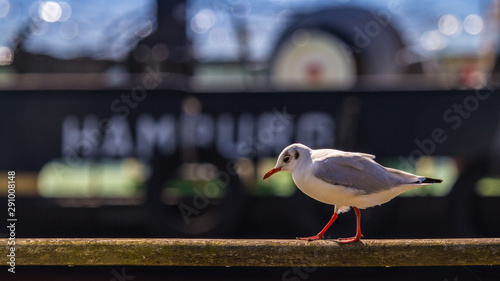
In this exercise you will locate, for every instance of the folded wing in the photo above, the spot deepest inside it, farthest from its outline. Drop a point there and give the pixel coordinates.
(360, 172)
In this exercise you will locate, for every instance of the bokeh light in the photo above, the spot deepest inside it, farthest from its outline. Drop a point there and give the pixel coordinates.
(203, 21)
(473, 24)
(4, 8)
(65, 11)
(50, 11)
(146, 30)
(160, 52)
(449, 25)
(6, 55)
(433, 40)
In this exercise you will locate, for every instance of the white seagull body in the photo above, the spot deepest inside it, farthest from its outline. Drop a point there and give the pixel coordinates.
(344, 179)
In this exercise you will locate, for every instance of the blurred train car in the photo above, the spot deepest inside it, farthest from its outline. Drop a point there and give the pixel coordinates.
(163, 123)
(191, 165)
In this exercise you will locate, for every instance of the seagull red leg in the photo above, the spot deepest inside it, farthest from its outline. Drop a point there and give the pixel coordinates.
(321, 234)
(358, 229)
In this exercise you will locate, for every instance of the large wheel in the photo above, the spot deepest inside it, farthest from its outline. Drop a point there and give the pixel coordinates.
(337, 49)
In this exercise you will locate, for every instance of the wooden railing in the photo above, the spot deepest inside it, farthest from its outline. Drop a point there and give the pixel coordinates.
(235, 252)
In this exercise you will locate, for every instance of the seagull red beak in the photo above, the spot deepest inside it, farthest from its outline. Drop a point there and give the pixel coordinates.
(271, 172)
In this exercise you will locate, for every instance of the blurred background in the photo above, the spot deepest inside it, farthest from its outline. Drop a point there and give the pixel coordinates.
(159, 118)
(235, 45)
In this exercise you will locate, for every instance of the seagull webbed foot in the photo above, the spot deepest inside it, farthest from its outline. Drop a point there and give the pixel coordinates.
(311, 238)
(350, 240)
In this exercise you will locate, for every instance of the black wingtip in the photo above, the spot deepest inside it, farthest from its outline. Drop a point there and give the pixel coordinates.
(431, 180)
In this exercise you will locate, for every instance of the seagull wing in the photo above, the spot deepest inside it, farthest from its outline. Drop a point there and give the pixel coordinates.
(359, 172)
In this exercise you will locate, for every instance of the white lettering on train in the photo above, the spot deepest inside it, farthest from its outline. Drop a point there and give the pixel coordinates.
(233, 136)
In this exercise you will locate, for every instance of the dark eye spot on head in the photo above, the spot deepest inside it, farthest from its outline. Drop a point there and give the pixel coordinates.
(297, 154)
(286, 158)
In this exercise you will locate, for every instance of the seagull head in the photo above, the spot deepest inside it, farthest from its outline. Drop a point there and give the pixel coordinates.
(289, 158)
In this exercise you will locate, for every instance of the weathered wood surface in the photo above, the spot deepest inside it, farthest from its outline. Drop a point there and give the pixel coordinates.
(236, 252)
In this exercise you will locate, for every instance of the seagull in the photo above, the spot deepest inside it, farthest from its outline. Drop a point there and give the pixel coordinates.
(344, 179)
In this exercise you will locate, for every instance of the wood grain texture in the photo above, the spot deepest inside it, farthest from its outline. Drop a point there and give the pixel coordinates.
(236, 252)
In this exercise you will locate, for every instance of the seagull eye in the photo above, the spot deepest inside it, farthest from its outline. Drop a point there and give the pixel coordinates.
(286, 159)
